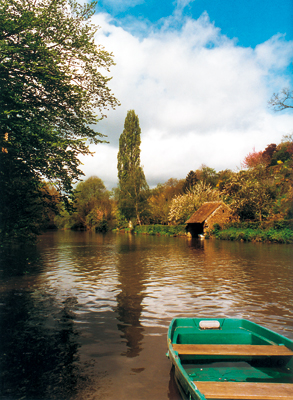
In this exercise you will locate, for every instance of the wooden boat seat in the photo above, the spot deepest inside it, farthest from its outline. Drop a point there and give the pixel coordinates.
(232, 350)
(246, 390)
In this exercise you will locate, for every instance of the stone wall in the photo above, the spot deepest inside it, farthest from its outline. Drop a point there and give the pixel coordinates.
(220, 216)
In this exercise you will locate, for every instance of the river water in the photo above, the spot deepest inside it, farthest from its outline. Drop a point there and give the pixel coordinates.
(85, 316)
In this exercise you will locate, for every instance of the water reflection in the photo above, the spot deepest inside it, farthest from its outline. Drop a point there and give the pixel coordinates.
(39, 351)
(131, 275)
(86, 316)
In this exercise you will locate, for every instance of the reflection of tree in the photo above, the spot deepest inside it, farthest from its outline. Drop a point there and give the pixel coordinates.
(39, 344)
(129, 300)
(38, 360)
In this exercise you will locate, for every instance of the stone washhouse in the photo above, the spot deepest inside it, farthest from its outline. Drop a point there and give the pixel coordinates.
(210, 213)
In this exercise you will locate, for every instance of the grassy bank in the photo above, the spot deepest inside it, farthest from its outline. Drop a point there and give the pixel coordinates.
(274, 232)
(163, 230)
(159, 230)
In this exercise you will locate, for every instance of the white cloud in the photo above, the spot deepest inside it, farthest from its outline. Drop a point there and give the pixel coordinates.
(199, 97)
(103, 164)
(183, 3)
(275, 53)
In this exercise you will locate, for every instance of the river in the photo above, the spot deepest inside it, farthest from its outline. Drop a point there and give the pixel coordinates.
(84, 316)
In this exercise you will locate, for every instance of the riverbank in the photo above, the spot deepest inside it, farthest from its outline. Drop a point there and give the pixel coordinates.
(273, 232)
(157, 230)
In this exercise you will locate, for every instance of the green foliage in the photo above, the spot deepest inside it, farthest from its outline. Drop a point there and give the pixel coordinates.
(257, 231)
(190, 181)
(51, 205)
(133, 193)
(26, 204)
(256, 235)
(251, 193)
(164, 230)
(283, 153)
(52, 90)
(213, 232)
(92, 204)
(207, 175)
(51, 85)
(121, 221)
(93, 207)
(64, 220)
(267, 184)
(263, 225)
(160, 200)
(223, 178)
(216, 228)
(102, 226)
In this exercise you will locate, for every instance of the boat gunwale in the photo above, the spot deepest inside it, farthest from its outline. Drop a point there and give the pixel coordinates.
(181, 375)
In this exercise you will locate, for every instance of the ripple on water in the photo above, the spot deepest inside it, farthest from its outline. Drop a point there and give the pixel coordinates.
(97, 308)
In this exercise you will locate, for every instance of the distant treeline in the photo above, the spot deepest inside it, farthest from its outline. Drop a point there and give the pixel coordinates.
(260, 196)
(260, 191)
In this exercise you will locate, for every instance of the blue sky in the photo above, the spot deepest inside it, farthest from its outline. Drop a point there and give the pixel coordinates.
(199, 75)
(249, 21)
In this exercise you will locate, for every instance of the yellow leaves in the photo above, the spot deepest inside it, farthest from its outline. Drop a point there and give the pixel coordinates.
(4, 150)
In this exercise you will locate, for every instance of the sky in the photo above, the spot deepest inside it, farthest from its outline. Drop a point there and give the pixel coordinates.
(199, 75)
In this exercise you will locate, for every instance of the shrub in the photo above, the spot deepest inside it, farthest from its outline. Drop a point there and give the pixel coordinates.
(165, 230)
(256, 234)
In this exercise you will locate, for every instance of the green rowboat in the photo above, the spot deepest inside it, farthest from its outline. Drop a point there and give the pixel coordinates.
(230, 359)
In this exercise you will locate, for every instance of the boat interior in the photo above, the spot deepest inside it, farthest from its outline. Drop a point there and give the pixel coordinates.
(235, 361)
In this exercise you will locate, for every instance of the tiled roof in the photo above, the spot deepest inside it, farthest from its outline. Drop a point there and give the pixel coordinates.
(204, 212)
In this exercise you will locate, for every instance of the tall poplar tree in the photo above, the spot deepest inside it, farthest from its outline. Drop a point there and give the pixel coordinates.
(133, 187)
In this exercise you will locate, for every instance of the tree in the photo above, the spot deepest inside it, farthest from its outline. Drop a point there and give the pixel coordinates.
(251, 194)
(132, 183)
(283, 100)
(190, 180)
(160, 200)
(26, 203)
(207, 175)
(283, 152)
(268, 153)
(253, 159)
(51, 205)
(92, 205)
(223, 176)
(282, 169)
(264, 190)
(51, 86)
(183, 206)
(92, 202)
